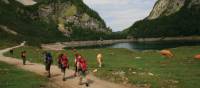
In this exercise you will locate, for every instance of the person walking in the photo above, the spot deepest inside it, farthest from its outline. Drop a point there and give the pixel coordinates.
(99, 60)
(59, 60)
(23, 56)
(64, 64)
(82, 69)
(11, 51)
(76, 59)
(48, 62)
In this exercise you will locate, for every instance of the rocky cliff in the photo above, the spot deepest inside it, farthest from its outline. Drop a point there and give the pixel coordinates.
(169, 18)
(43, 21)
(165, 8)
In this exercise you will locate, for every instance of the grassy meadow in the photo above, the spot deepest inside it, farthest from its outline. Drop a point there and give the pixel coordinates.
(12, 77)
(141, 68)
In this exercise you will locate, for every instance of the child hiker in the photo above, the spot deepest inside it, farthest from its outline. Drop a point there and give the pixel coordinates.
(64, 64)
(82, 68)
(48, 62)
(23, 56)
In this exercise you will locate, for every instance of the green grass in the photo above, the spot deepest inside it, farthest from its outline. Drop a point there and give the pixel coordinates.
(12, 77)
(182, 71)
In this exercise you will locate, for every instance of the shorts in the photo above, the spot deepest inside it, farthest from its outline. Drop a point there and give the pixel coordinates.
(63, 69)
(81, 72)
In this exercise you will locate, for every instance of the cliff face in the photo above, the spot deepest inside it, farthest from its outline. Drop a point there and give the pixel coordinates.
(165, 8)
(66, 14)
(169, 18)
(43, 21)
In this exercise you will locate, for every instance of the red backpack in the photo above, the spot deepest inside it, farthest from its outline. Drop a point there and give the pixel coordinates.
(64, 61)
(83, 64)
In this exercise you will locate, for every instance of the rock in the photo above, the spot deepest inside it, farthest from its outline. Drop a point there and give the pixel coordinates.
(150, 74)
(134, 73)
(137, 57)
(95, 70)
(120, 73)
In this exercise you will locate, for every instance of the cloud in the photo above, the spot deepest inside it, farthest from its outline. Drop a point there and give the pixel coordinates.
(121, 14)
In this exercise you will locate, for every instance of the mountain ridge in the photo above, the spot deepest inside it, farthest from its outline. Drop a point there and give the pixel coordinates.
(50, 21)
(170, 21)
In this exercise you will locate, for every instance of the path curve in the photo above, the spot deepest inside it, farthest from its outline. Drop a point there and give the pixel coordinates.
(56, 78)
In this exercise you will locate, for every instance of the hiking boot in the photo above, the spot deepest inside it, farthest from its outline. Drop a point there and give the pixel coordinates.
(64, 79)
(87, 84)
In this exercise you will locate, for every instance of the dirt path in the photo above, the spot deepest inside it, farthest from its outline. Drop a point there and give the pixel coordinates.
(56, 79)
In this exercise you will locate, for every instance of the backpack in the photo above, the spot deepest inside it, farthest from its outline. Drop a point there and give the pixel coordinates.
(83, 64)
(48, 58)
(64, 62)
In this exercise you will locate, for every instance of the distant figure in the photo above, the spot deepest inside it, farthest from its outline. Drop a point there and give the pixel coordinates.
(99, 59)
(166, 53)
(48, 62)
(82, 69)
(23, 56)
(64, 64)
(11, 51)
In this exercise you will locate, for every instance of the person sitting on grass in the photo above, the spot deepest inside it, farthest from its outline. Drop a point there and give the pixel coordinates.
(64, 64)
(82, 69)
(48, 62)
(23, 56)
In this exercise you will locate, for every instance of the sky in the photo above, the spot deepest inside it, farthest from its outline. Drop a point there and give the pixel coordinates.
(121, 14)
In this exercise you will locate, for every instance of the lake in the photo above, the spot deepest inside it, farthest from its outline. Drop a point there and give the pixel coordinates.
(146, 45)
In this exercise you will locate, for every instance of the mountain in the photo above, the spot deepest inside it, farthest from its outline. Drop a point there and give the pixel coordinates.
(47, 21)
(169, 18)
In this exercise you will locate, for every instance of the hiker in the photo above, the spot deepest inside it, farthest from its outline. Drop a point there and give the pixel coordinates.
(64, 64)
(59, 60)
(82, 69)
(48, 62)
(23, 56)
(75, 64)
(99, 59)
(11, 51)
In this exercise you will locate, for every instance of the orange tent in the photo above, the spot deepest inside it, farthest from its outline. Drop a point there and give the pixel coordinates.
(197, 56)
(166, 53)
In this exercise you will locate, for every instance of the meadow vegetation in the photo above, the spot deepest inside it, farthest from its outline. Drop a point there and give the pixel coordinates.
(141, 68)
(12, 77)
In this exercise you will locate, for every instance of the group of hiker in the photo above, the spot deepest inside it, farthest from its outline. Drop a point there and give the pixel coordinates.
(63, 63)
(80, 64)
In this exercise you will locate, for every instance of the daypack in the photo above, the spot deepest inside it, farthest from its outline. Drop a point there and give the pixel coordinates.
(83, 64)
(48, 58)
(64, 61)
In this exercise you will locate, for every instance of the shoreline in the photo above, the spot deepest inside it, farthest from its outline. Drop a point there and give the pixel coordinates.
(61, 45)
